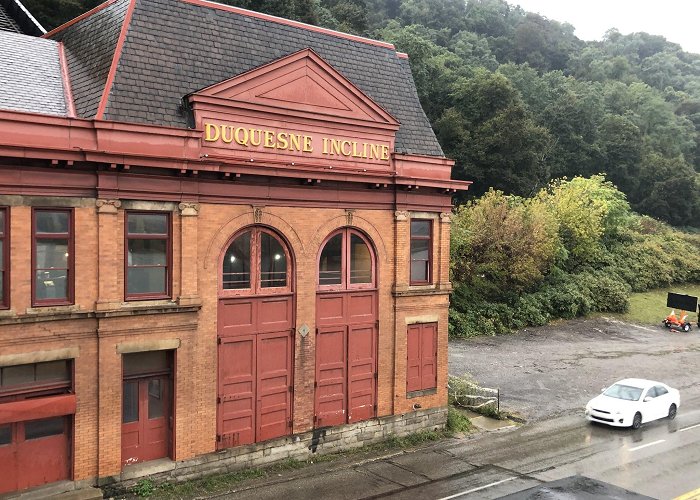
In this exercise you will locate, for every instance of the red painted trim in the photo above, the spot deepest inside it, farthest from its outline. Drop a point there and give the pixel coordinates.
(288, 22)
(345, 262)
(70, 286)
(77, 19)
(34, 409)
(402, 55)
(168, 258)
(115, 60)
(67, 92)
(7, 245)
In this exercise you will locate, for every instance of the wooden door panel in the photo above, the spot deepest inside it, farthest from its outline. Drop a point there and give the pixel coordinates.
(8, 450)
(237, 317)
(361, 372)
(44, 459)
(331, 309)
(361, 307)
(331, 378)
(274, 379)
(156, 418)
(274, 314)
(429, 352)
(413, 359)
(237, 391)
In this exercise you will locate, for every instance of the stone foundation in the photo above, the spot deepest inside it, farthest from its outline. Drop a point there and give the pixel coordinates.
(299, 446)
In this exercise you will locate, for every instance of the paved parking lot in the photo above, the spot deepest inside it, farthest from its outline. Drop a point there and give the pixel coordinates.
(553, 370)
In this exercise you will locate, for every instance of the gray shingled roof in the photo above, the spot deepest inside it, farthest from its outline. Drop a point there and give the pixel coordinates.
(175, 48)
(7, 23)
(89, 46)
(30, 75)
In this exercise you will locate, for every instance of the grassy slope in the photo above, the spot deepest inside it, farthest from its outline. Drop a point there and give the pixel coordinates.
(650, 307)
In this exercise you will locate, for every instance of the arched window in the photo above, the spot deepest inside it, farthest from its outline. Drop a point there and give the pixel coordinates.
(346, 261)
(256, 261)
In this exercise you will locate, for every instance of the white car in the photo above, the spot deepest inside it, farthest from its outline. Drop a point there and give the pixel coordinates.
(632, 402)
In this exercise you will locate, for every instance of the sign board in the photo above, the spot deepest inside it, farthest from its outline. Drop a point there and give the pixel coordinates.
(683, 302)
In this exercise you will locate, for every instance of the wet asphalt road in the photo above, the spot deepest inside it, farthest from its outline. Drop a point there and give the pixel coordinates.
(546, 375)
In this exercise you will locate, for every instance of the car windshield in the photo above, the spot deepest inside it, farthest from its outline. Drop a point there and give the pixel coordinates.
(625, 392)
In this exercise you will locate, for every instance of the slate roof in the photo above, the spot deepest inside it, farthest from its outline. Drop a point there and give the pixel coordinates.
(16, 18)
(30, 75)
(7, 23)
(173, 48)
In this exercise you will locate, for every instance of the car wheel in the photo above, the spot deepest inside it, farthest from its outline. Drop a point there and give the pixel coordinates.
(637, 421)
(672, 412)
(686, 327)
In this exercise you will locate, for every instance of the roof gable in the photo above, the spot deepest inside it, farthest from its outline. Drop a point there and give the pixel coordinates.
(302, 82)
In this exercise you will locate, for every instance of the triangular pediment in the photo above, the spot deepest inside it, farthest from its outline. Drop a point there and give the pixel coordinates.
(298, 83)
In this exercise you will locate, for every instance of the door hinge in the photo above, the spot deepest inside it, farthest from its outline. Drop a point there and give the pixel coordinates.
(218, 438)
(291, 388)
(289, 423)
(218, 400)
(315, 384)
(376, 323)
(218, 340)
(376, 375)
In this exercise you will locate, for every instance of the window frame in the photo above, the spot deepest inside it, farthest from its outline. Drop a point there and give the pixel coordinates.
(129, 297)
(346, 260)
(256, 287)
(5, 261)
(70, 236)
(430, 241)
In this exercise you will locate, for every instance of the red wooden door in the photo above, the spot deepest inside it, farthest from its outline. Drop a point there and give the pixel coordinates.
(255, 369)
(146, 419)
(346, 357)
(421, 357)
(34, 452)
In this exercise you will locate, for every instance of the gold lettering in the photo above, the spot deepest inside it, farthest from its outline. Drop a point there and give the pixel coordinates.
(308, 146)
(227, 139)
(364, 149)
(208, 129)
(252, 136)
(294, 142)
(385, 152)
(355, 154)
(241, 140)
(282, 142)
(325, 145)
(269, 139)
(335, 147)
(343, 144)
(374, 152)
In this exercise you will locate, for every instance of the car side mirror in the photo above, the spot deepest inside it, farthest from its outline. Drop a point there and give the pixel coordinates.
(647, 399)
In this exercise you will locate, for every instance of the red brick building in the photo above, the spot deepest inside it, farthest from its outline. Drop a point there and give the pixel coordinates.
(224, 241)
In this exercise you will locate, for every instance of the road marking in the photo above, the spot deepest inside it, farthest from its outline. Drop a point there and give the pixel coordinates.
(649, 444)
(688, 428)
(479, 488)
(691, 495)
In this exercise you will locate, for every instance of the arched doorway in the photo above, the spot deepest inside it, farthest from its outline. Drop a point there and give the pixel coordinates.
(347, 326)
(255, 337)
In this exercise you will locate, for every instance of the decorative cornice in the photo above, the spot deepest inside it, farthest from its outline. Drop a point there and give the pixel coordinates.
(348, 216)
(257, 214)
(401, 215)
(446, 217)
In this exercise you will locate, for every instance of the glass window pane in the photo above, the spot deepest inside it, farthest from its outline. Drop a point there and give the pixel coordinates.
(155, 398)
(52, 222)
(36, 429)
(51, 284)
(420, 228)
(2, 221)
(5, 434)
(130, 402)
(236, 272)
(2, 253)
(147, 252)
(16, 375)
(51, 253)
(147, 223)
(2, 289)
(151, 280)
(360, 261)
(419, 270)
(273, 262)
(330, 264)
(420, 249)
(145, 362)
(52, 370)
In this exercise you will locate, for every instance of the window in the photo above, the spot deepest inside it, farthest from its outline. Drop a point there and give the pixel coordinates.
(346, 261)
(421, 251)
(52, 255)
(421, 354)
(148, 255)
(256, 261)
(55, 376)
(4, 259)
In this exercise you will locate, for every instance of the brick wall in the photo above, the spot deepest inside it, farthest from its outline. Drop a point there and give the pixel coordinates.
(101, 324)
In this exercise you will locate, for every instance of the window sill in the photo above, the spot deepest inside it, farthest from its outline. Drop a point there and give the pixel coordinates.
(44, 313)
(414, 290)
(424, 392)
(147, 307)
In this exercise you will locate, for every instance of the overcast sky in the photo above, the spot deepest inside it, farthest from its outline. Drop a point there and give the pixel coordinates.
(677, 20)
